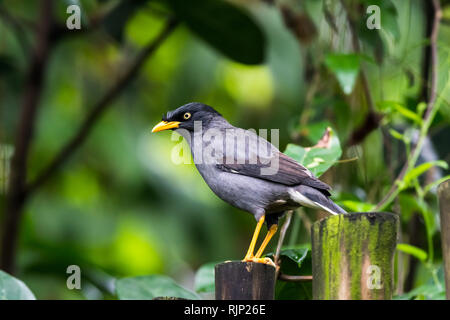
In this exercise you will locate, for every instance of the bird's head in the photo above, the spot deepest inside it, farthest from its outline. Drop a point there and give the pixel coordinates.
(185, 116)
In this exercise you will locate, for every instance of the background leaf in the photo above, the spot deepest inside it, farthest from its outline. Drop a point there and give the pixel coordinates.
(412, 250)
(434, 184)
(295, 254)
(422, 168)
(13, 289)
(204, 278)
(345, 67)
(316, 159)
(433, 289)
(426, 291)
(211, 20)
(357, 206)
(150, 287)
(294, 261)
(393, 106)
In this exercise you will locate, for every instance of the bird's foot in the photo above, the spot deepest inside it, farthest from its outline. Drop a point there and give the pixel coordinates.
(260, 260)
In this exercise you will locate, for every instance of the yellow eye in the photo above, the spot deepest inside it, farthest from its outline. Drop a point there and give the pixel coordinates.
(186, 116)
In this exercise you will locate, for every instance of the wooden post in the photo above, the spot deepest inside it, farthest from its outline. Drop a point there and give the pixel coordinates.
(444, 204)
(352, 256)
(237, 280)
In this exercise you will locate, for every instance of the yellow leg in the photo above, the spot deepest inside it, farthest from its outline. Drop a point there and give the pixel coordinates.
(251, 248)
(272, 231)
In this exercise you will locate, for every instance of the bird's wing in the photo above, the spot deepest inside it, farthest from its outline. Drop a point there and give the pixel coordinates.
(260, 159)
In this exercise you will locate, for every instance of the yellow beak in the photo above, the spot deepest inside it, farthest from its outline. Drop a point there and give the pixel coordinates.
(164, 125)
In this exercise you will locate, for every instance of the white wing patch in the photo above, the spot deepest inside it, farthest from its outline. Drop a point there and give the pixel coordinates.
(304, 201)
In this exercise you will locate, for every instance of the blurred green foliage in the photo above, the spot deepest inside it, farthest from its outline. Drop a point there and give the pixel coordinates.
(120, 208)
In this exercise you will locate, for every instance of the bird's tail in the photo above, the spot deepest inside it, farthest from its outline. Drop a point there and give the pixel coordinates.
(313, 198)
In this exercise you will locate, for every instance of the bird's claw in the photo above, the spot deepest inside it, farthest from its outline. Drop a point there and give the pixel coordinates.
(260, 260)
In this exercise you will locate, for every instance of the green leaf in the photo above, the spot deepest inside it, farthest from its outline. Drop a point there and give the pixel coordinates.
(422, 168)
(320, 157)
(357, 206)
(312, 131)
(346, 68)
(151, 287)
(413, 251)
(396, 134)
(392, 106)
(294, 261)
(435, 184)
(421, 107)
(426, 291)
(224, 26)
(295, 254)
(433, 289)
(204, 278)
(13, 289)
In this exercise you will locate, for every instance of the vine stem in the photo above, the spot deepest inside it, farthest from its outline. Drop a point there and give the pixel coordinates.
(32, 93)
(279, 274)
(283, 230)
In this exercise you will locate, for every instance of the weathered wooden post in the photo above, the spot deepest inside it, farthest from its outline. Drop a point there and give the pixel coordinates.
(444, 204)
(237, 280)
(352, 256)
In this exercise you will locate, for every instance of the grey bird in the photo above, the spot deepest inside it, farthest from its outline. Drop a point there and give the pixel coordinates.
(247, 171)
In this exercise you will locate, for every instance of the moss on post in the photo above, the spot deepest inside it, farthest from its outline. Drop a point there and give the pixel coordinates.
(352, 256)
